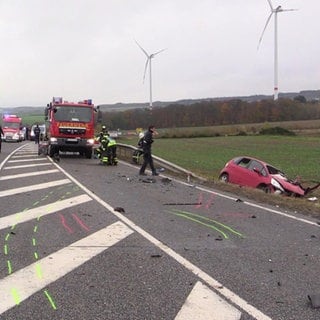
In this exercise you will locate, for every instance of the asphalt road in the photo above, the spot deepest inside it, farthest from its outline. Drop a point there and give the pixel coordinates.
(84, 241)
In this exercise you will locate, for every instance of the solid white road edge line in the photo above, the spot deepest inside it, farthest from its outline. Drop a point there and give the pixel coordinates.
(26, 281)
(10, 155)
(228, 294)
(251, 204)
(41, 211)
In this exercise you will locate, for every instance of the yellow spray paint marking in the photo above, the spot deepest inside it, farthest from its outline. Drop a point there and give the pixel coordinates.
(204, 224)
(9, 267)
(39, 271)
(15, 295)
(50, 299)
(197, 218)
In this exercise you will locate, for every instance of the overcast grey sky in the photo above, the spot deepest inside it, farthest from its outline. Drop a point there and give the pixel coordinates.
(82, 49)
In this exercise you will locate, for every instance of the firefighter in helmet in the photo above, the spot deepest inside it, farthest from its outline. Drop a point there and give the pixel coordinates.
(104, 141)
(101, 136)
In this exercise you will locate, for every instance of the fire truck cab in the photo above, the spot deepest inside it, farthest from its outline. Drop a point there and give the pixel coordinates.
(70, 127)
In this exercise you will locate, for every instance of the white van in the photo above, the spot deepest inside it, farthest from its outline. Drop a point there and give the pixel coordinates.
(43, 131)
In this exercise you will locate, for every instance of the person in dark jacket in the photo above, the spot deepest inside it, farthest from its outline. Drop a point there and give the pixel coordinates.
(147, 156)
(37, 132)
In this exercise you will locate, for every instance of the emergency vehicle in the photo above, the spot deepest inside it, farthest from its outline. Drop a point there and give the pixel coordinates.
(70, 126)
(11, 126)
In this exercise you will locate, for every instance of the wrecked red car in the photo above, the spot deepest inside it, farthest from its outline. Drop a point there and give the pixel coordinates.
(251, 172)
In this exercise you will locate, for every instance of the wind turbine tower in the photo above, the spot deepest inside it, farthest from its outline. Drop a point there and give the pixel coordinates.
(148, 63)
(274, 11)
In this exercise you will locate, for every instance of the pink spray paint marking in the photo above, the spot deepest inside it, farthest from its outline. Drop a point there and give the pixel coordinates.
(79, 221)
(64, 223)
(209, 202)
(199, 200)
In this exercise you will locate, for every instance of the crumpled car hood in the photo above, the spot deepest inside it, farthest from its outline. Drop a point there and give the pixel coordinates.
(289, 185)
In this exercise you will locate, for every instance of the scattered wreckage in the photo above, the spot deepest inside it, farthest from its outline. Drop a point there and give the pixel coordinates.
(251, 172)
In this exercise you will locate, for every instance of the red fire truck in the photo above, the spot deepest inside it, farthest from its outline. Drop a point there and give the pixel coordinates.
(11, 126)
(70, 126)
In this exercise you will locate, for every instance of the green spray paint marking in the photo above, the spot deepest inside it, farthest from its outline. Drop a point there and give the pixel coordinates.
(188, 215)
(14, 291)
(15, 295)
(39, 271)
(50, 299)
(200, 222)
(9, 267)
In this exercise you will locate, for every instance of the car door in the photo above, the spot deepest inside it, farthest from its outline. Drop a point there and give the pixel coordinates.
(240, 171)
(253, 175)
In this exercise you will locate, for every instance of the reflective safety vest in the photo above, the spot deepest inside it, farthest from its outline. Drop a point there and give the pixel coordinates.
(112, 142)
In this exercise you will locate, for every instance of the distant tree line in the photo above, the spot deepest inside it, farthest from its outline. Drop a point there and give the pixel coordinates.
(210, 113)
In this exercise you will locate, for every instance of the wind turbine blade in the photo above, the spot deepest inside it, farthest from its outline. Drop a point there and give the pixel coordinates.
(270, 4)
(289, 10)
(264, 29)
(144, 51)
(159, 51)
(145, 69)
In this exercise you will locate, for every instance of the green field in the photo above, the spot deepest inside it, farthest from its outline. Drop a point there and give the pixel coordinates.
(29, 120)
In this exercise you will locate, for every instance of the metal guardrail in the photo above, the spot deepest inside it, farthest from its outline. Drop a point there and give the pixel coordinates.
(125, 152)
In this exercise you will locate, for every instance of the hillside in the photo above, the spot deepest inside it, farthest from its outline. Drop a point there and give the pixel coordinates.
(36, 110)
(308, 94)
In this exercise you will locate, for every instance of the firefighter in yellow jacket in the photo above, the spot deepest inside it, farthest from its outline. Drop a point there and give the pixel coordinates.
(112, 151)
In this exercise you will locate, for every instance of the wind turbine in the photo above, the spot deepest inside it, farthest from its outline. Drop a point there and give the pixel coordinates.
(148, 62)
(274, 11)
